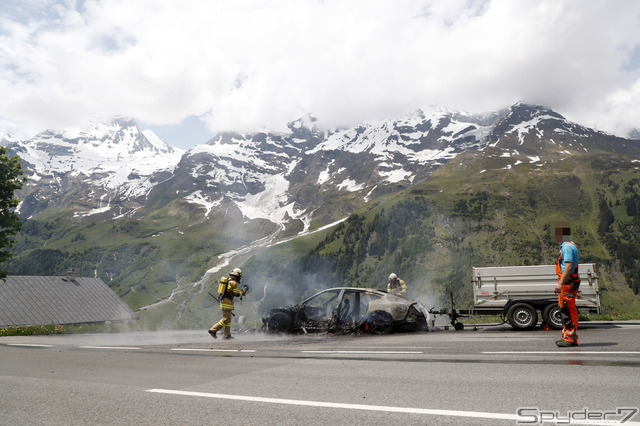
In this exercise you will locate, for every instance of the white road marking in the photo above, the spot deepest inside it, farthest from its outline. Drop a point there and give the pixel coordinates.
(111, 347)
(30, 345)
(310, 351)
(363, 352)
(409, 410)
(627, 325)
(213, 350)
(576, 352)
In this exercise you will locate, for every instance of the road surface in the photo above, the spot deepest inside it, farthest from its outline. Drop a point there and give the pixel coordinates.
(491, 376)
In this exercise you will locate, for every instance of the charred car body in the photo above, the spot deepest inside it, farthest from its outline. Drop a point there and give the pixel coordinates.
(347, 309)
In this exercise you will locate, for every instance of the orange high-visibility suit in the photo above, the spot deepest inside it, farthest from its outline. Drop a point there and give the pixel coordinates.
(570, 282)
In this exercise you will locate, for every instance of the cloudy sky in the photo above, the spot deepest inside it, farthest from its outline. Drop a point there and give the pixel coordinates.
(190, 68)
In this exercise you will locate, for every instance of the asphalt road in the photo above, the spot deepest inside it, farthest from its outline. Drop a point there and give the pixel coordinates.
(491, 376)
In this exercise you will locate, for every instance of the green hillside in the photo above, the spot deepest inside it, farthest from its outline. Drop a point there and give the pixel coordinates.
(478, 211)
(141, 259)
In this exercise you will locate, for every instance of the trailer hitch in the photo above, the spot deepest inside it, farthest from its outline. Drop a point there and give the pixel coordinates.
(452, 313)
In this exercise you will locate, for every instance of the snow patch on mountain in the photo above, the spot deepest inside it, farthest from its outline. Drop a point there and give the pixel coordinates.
(523, 129)
(396, 175)
(323, 176)
(271, 204)
(350, 185)
(202, 200)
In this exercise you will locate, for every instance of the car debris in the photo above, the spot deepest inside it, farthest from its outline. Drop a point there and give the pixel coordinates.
(349, 310)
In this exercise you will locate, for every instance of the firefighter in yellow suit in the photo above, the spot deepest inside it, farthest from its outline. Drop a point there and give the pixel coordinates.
(227, 293)
(396, 285)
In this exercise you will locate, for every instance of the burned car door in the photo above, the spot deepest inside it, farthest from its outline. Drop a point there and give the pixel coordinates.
(320, 311)
(352, 309)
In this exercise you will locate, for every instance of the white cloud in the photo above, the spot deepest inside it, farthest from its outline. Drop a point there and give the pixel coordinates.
(244, 65)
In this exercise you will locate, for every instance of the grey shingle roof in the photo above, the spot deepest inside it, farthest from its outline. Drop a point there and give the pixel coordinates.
(33, 300)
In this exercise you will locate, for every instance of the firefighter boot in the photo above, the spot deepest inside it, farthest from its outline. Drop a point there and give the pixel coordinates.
(213, 334)
(565, 343)
(228, 337)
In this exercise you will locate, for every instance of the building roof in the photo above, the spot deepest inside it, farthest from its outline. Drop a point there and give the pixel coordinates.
(34, 300)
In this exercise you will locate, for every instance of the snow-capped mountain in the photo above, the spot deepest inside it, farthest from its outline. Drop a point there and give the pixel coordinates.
(306, 173)
(114, 159)
(536, 129)
(288, 178)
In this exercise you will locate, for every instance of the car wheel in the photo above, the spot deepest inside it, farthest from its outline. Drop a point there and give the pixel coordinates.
(522, 316)
(551, 316)
(279, 323)
(379, 322)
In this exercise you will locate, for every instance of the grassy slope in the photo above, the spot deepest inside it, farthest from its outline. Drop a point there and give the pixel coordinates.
(509, 221)
(142, 260)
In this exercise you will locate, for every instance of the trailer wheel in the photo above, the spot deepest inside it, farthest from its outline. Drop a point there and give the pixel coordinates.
(551, 316)
(522, 316)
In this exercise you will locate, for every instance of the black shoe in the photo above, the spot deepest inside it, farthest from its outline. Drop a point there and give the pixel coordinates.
(228, 337)
(565, 343)
(213, 334)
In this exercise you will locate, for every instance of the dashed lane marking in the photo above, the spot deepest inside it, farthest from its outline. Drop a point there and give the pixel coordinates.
(382, 408)
(132, 348)
(364, 352)
(30, 345)
(576, 352)
(307, 352)
(213, 350)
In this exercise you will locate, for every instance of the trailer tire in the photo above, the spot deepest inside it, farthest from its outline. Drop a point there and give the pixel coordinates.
(522, 316)
(551, 316)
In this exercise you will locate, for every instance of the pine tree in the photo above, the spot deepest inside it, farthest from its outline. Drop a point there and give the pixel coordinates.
(11, 180)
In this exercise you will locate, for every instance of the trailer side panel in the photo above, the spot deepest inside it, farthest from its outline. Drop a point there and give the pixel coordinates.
(494, 287)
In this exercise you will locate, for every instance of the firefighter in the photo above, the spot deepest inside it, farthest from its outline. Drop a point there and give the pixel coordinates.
(567, 289)
(228, 289)
(396, 285)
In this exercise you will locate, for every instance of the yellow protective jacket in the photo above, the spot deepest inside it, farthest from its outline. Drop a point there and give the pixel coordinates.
(398, 287)
(226, 299)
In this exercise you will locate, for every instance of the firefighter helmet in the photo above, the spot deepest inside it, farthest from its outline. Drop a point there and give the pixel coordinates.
(236, 272)
(393, 277)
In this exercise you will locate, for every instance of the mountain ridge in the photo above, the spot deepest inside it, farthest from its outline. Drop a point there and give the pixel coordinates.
(297, 179)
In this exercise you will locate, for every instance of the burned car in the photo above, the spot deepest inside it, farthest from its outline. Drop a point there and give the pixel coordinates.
(349, 309)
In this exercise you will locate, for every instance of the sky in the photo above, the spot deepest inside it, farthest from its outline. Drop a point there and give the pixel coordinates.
(189, 69)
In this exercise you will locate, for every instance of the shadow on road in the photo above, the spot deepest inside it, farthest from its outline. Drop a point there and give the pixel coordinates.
(597, 344)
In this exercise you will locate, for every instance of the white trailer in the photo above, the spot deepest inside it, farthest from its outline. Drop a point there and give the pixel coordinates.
(518, 293)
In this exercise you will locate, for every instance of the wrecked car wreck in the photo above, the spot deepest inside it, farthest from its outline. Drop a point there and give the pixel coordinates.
(349, 309)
